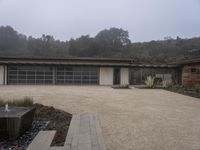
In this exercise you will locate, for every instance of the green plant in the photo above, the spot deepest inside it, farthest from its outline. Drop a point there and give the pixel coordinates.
(150, 82)
(1, 102)
(197, 87)
(166, 83)
(26, 101)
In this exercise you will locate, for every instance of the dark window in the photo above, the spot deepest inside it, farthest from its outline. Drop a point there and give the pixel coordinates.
(77, 75)
(116, 76)
(194, 70)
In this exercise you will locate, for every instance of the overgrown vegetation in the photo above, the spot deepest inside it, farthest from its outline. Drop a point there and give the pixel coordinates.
(25, 102)
(113, 42)
(193, 91)
(166, 83)
(197, 88)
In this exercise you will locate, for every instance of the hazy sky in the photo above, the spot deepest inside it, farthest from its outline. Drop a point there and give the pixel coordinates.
(144, 19)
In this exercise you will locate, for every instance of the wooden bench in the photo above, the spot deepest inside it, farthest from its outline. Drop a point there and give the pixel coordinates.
(84, 134)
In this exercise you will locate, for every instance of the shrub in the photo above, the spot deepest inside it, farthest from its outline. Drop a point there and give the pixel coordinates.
(197, 87)
(150, 82)
(25, 102)
(166, 83)
(126, 86)
(1, 102)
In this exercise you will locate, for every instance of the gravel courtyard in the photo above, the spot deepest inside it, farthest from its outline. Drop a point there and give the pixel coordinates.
(131, 119)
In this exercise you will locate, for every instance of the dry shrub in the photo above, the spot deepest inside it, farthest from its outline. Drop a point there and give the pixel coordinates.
(24, 102)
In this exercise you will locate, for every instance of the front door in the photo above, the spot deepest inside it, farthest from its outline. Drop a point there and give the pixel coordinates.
(116, 76)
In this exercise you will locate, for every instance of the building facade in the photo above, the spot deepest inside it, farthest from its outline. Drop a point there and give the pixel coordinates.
(191, 75)
(190, 72)
(82, 71)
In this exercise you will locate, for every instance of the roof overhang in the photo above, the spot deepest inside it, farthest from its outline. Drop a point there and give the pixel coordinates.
(187, 61)
(101, 62)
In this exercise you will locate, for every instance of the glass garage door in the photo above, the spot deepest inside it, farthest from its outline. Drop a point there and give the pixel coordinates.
(30, 75)
(77, 75)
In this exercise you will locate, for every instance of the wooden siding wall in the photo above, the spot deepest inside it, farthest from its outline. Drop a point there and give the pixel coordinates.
(188, 78)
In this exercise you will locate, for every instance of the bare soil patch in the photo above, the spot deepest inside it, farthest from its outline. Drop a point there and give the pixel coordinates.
(58, 120)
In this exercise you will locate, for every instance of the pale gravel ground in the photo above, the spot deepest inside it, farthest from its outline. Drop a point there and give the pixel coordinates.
(132, 119)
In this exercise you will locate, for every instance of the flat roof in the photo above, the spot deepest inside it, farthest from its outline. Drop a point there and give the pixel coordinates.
(107, 62)
(187, 61)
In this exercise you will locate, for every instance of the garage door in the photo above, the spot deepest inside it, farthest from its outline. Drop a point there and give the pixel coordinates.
(77, 75)
(30, 75)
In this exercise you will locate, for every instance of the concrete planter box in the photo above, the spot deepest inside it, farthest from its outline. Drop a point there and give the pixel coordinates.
(15, 122)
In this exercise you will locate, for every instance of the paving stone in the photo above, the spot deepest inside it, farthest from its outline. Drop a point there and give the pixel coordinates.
(84, 134)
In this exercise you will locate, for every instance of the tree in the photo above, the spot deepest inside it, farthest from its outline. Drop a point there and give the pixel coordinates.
(47, 46)
(83, 46)
(114, 36)
(10, 39)
(112, 40)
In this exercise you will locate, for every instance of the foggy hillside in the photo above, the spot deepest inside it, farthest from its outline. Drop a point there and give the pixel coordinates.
(113, 42)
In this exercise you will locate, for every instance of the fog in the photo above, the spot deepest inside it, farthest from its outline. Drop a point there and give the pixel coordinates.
(144, 19)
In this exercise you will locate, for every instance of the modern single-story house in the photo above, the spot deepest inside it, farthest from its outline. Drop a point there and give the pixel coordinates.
(87, 71)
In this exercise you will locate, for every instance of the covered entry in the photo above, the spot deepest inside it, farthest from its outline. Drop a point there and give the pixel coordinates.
(116, 76)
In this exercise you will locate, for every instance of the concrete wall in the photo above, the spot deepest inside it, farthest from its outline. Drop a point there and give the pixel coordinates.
(106, 76)
(124, 76)
(1, 74)
(5, 75)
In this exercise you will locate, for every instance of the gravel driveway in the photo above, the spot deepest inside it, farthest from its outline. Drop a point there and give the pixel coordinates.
(131, 119)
